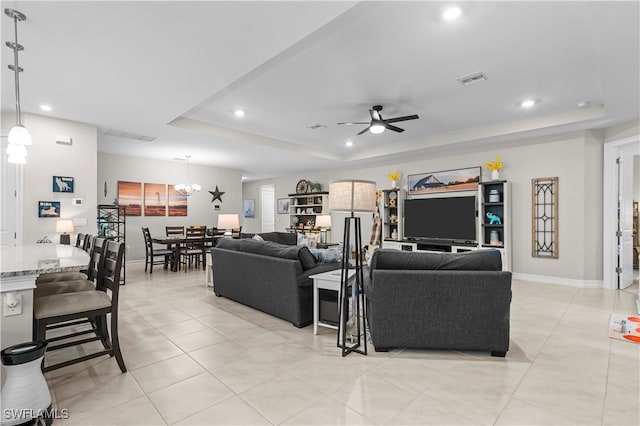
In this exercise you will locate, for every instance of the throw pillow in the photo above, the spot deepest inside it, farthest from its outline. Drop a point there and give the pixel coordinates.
(307, 259)
(258, 238)
(324, 256)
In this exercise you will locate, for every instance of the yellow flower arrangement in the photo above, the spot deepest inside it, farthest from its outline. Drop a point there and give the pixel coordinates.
(393, 176)
(495, 165)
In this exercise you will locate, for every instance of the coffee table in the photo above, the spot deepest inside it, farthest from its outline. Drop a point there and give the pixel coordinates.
(328, 281)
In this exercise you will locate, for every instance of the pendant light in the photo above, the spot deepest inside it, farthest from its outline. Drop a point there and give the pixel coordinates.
(19, 135)
(187, 188)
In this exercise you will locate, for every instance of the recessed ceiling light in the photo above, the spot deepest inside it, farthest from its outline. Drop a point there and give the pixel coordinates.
(348, 144)
(238, 113)
(45, 107)
(528, 103)
(451, 13)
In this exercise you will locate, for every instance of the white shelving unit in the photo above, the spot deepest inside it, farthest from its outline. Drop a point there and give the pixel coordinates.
(303, 209)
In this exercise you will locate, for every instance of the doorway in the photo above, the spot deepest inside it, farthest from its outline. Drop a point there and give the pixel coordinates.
(619, 193)
(267, 208)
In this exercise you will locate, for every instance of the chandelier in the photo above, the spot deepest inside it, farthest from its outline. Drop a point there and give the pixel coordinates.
(187, 188)
(18, 135)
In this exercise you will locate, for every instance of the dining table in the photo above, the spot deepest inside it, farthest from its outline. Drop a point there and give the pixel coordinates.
(174, 242)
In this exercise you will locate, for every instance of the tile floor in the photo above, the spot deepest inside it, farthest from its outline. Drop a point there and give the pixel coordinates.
(195, 359)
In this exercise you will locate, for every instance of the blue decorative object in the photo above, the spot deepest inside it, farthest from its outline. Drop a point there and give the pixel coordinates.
(494, 219)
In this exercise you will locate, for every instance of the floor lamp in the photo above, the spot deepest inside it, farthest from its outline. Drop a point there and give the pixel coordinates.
(352, 196)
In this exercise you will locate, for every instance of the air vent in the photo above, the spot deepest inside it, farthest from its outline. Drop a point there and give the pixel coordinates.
(476, 77)
(128, 135)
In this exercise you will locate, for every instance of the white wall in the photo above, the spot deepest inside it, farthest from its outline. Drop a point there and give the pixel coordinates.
(113, 168)
(47, 159)
(575, 158)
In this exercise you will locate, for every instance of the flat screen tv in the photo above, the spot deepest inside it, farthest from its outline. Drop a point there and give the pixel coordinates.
(450, 218)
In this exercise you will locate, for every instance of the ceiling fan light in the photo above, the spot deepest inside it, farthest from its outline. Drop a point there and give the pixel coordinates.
(376, 129)
(19, 135)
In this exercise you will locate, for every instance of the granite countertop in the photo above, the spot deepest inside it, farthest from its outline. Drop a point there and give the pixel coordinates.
(34, 259)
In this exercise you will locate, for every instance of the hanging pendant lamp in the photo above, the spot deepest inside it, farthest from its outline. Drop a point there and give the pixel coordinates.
(18, 135)
(187, 188)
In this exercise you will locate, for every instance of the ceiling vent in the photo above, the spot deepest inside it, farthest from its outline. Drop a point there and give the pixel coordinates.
(476, 77)
(127, 135)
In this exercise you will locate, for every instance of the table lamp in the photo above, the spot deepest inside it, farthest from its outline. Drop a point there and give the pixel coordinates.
(64, 226)
(352, 196)
(228, 222)
(323, 222)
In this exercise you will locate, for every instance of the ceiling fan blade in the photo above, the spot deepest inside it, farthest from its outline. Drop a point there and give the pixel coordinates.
(405, 118)
(394, 128)
(350, 123)
(364, 131)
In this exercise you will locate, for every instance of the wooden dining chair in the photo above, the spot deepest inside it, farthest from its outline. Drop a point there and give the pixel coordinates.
(194, 248)
(152, 254)
(174, 230)
(61, 311)
(83, 274)
(67, 282)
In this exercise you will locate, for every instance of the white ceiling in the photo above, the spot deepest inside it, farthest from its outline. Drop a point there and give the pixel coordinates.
(177, 71)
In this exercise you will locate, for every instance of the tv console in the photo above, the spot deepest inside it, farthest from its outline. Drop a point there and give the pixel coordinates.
(431, 246)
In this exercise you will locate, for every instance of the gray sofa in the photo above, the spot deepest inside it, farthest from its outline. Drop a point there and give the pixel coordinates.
(267, 276)
(438, 300)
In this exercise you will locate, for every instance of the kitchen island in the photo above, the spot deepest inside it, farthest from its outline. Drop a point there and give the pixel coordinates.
(19, 268)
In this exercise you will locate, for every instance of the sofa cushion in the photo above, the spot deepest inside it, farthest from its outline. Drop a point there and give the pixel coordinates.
(265, 248)
(307, 259)
(288, 238)
(476, 260)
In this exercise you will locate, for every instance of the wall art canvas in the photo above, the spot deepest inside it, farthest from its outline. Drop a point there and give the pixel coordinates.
(177, 202)
(155, 199)
(283, 205)
(48, 208)
(63, 184)
(444, 181)
(130, 196)
(249, 208)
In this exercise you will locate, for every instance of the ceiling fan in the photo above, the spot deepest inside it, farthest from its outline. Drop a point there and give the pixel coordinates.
(378, 124)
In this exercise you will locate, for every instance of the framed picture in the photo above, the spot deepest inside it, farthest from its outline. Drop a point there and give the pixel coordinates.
(283, 205)
(48, 208)
(444, 181)
(155, 199)
(249, 208)
(130, 196)
(178, 205)
(62, 184)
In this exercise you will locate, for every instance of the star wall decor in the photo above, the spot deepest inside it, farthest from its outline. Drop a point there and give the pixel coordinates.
(217, 194)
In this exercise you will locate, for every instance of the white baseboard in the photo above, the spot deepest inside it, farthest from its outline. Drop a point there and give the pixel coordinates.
(135, 261)
(545, 279)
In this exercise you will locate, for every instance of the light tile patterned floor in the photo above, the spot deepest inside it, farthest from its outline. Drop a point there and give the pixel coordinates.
(195, 359)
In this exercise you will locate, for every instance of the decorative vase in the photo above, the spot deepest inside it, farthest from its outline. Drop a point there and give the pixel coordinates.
(495, 175)
(394, 184)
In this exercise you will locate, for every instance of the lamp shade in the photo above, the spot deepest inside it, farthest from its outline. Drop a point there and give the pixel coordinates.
(64, 225)
(323, 221)
(352, 196)
(19, 135)
(228, 221)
